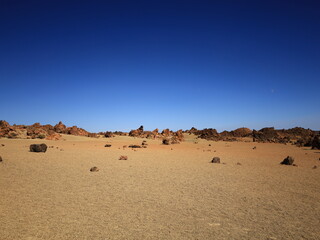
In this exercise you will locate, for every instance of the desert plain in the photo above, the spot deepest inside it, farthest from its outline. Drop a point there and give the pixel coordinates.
(160, 192)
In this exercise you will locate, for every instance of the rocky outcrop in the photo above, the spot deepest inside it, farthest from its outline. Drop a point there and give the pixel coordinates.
(37, 130)
(171, 136)
(209, 134)
(60, 128)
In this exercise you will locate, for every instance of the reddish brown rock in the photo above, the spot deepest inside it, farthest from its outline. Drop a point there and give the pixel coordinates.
(60, 128)
(54, 136)
(123, 158)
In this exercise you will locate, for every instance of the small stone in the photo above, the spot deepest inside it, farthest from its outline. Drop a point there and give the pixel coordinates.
(94, 169)
(215, 160)
(288, 161)
(1, 159)
(123, 157)
(254, 148)
(314, 167)
(107, 145)
(239, 164)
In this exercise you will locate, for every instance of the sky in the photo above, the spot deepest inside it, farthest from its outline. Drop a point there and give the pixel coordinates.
(116, 65)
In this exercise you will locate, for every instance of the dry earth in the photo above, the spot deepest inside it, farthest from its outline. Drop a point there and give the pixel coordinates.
(158, 193)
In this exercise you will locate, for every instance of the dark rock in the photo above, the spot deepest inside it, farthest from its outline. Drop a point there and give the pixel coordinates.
(314, 167)
(208, 134)
(108, 134)
(165, 142)
(134, 146)
(0, 159)
(107, 145)
(38, 147)
(315, 144)
(288, 161)
(94, 169)
(215, 160)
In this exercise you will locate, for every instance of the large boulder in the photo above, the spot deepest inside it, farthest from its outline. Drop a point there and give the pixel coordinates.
(315, 143)
(108, 134)
(38, 147)
(165, 142)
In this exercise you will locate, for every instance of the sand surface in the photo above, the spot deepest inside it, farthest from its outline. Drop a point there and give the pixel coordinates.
(161, 192)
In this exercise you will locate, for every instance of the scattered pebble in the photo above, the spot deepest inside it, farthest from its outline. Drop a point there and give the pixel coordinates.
(1, 159)
(239, 164)
(314, 167)
(215, 160)
(123, 157)
(94, 169)
(254, 148)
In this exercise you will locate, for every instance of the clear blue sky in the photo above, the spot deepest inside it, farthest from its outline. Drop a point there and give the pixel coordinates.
(116, 65)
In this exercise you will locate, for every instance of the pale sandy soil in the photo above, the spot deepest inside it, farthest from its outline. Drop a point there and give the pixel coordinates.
(158, 193)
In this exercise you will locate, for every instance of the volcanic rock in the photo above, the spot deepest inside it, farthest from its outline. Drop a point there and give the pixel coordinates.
(60, 128)
(94, 169)
(38, 147)
(315, 144)
(215, 160)
(288, 161)
(165, 142)
(108, 134)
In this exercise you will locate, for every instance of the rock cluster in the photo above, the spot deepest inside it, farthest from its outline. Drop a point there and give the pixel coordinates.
(297, 135)
(37, 130)
(171, 136)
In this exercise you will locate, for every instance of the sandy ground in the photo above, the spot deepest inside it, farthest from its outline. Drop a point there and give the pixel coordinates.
(161, 192)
